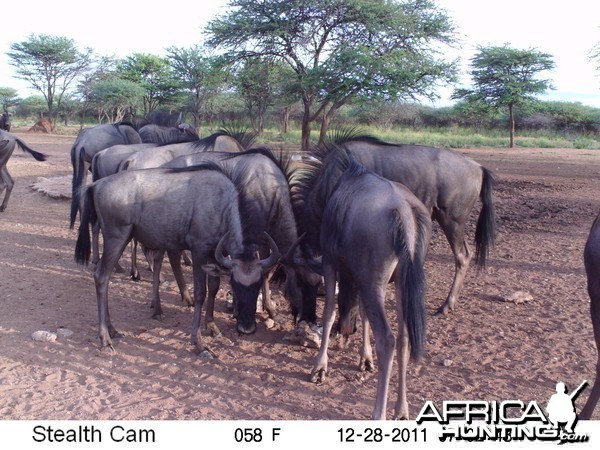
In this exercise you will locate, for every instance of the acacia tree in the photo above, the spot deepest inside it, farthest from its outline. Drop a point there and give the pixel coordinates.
(50, 64)
(340, 49)
(505, 77)
(8, 97)
(198, 73)
(154, 75)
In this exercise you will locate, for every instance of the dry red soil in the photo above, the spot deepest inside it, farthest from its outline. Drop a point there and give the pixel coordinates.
(488, 349)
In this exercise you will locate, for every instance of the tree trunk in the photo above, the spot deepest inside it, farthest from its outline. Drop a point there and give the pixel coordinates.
(511, 114)
(285, 120)
(306, 119)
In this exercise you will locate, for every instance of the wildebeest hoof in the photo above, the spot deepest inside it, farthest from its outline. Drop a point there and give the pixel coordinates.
(205, 353)
(366, 365)
(444, 310)
(213, 330)
(158, 316)
(305, 335)
(318, 375)
(135, 277)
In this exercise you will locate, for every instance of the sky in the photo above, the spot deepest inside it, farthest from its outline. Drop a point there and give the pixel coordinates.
(565, 30)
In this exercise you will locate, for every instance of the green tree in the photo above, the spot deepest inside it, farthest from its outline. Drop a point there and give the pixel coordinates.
(199, 74)
(113, 98)
(505, 77)
(257, 83)
(8, 98)
(154, 75)
(340, 49)
(50, 64)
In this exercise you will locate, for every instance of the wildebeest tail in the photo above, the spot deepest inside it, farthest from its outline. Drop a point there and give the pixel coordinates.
(37, 155)
(485, 233)
(83, 246)
(412, 277)
(78, 172)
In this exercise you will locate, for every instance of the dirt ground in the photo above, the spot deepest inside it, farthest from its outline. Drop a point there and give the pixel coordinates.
(488, 349)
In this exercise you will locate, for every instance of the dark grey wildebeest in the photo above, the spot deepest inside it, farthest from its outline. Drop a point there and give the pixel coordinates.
(90, 141)
(5, 121)
(446, 182)
(8, 141)
(374, 230)
(155, 156)
(190, 209)
(262, 180)
(591, 259)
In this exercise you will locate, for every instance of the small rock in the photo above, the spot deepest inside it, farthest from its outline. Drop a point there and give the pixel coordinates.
(447, 362)
(518, 297)
(44, 336)
(64, 333)
(269, 323)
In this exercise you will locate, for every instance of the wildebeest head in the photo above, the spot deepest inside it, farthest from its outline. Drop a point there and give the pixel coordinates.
(300, 282)
(246, 278)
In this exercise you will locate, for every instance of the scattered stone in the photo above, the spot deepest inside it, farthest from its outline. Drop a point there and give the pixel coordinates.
(43, 336)
(269, 323)
(64, 333)
(518, 297)
(447, 362)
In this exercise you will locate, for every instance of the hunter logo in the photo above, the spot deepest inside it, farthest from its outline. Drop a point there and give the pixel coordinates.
(510, 420)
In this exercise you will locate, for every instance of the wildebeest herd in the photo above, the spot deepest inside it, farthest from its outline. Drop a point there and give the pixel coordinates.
(357, 215)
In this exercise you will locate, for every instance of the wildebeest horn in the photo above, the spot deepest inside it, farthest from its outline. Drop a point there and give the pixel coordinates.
(221, 259)
(289, 256)
(269, 262)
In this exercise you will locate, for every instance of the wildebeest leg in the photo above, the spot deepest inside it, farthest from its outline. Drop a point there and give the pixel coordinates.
(209, 319)
(403, 356)
(319, 371)
(373, 299)
(199, 296)
(134, 272)
(186, 259)
(113, 247)
(268, 302)
(8, 184)
(95, 243)
(454, 229)
(366, 352)
(157, 312)
(594, 293)
(175, 261)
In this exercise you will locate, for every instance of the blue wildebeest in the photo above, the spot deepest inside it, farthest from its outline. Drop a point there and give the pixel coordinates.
(152, 157)
(591, 259)
(164, 210)
(446, 182)
(374, 230)
(5, 121)
(90, 141)
(8, 141)
(264, 193)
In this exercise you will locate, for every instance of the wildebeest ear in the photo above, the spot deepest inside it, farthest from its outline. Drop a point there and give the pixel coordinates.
(215, 270)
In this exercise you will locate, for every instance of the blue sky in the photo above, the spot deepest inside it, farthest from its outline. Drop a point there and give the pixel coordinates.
(566, 30)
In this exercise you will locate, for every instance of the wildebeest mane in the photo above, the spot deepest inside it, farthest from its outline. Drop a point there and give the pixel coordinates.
(208, 142)
(242, 135)
(312, 185)
(283, 162)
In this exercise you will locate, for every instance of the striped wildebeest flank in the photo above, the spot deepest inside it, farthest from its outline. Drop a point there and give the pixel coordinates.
(591, 259)
(374, 230)
(156, 156)
(189, 209)
(90, 141)
(262, 182)
(8, 141)
(446, 182)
